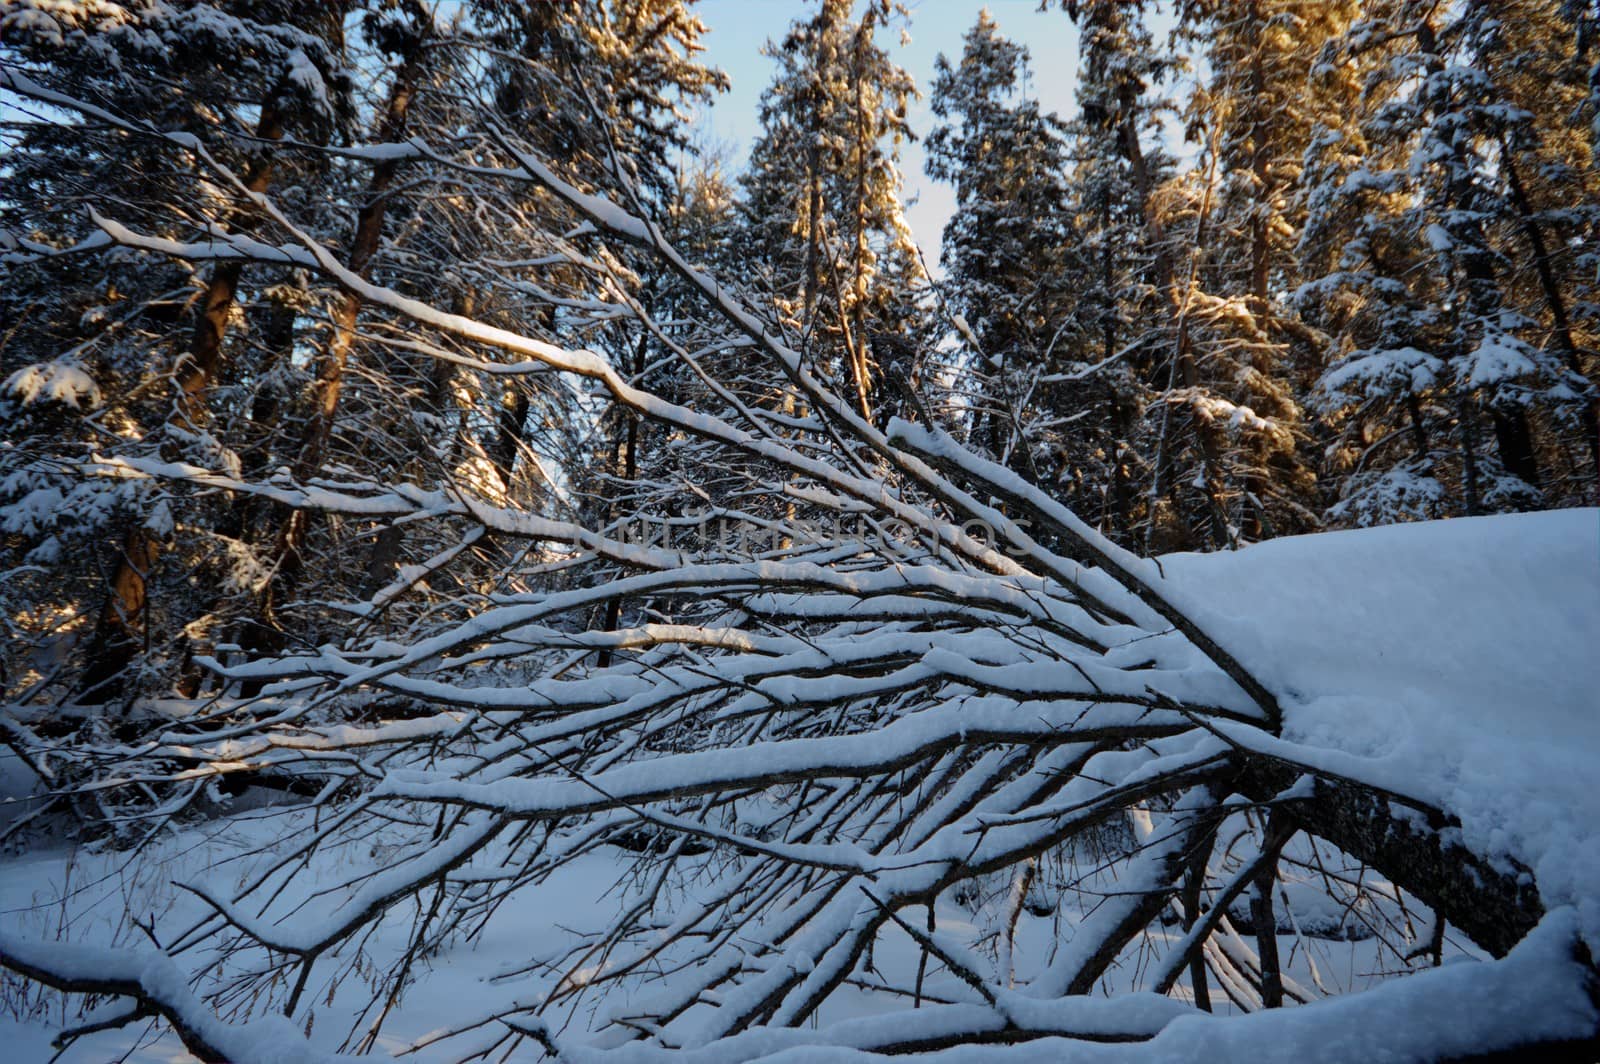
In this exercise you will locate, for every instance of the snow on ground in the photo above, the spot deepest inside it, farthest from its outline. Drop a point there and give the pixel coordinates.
(1458, 661)
(79, 896)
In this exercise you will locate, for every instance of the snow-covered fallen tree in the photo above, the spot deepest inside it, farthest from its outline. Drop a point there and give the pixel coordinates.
(930, 681)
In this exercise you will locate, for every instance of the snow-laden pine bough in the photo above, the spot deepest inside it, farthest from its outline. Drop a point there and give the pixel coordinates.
(799, 751)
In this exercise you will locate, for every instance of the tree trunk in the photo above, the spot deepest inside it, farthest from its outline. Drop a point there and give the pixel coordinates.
(628, 469)
(1514, 439)
(1553, 299)
(122, 630)
(512, 417)
(1482, 296)
(1274, 835)
(293, 527)
(1494, 906)
(860, 367)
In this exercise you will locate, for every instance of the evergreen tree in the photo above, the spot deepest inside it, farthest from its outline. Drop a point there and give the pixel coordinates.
(273, 371)
(145, 343)
(1126, 327)
(822, 196)
(1008, 270)
(1454, 377)
(1248, 355)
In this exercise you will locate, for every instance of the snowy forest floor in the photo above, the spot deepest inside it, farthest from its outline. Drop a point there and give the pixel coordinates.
(1451, 661)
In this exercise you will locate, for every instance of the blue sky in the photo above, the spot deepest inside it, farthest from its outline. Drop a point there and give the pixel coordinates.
(740, 27)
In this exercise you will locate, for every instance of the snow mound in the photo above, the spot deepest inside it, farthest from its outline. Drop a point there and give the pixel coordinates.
(1457, 661)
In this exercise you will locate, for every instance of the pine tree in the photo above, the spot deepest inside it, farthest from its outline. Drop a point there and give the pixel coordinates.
(153, 341)
(1008, 270)
(822, 195)
(1125, 329)
(1452, 372)
(275, 372)
(1247, 353)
